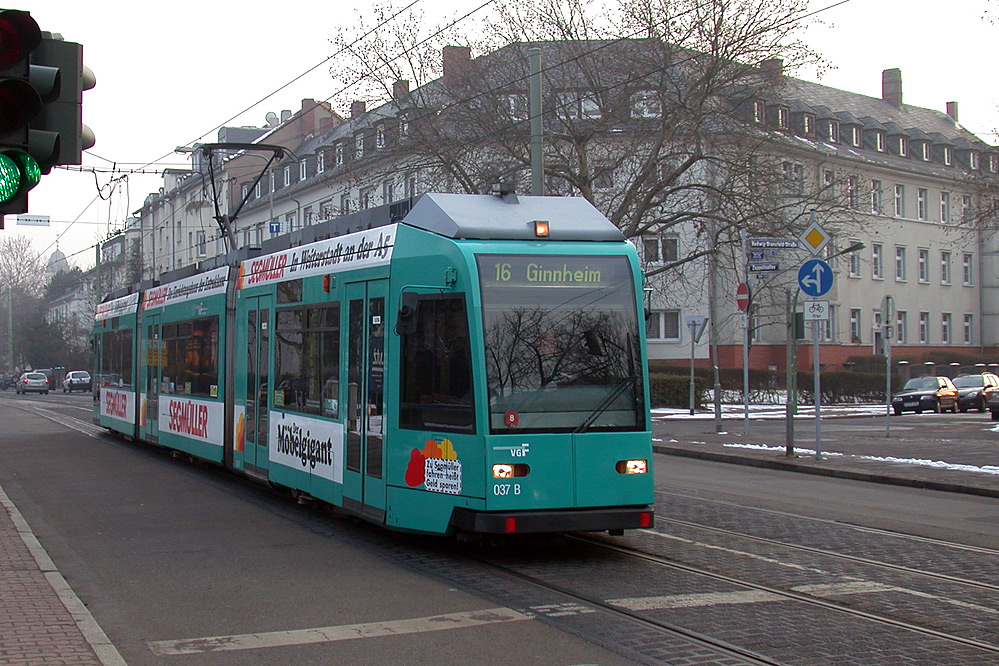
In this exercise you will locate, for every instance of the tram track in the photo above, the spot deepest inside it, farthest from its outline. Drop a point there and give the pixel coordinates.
(788, 594)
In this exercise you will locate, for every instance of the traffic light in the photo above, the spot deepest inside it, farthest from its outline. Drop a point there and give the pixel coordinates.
(20, 102)
(42, 79)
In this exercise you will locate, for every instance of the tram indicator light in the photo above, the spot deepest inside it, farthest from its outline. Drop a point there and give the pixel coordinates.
(632, 466)
(541, 228)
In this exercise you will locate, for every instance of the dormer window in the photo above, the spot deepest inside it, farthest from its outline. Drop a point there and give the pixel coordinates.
(759, 111)
(856, 136)
(646, 104)
(359, 146)
(320, 161)
(809, 124)
(287, 175)
(783, 116)
(973, 161)
(338, 155)
(994, 163)
(879, 141)
(903, 146)
(924, 151)
(833, 131)
(380, 137)
(948, 155)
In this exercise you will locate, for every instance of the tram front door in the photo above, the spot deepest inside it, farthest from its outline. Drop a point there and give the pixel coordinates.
(151, 362)
(363, 478)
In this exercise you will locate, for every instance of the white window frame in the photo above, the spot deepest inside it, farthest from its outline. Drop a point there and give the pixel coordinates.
(877, 196)
(903, 146)
(646, 104)
(924, 265)
(879, 141)
(660, 248)
(856, 334)
(833, 131)
(924, 328)
(900, 264)
(945, 207)
(946, 328)
(968, 269)
(899, 200)
(287, 175)
(854, 270)
(948, 155)
(922, 203)
(945, 265)
(902, 327)
(877, 261)
(969, 329)
(303, 170)
(660, 317)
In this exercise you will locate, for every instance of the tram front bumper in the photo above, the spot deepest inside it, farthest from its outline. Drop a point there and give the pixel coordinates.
(567, 520)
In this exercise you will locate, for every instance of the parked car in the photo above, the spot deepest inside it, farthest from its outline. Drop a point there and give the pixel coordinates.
(973, 390)
(77, 380)
(32, 381)
(935, 394)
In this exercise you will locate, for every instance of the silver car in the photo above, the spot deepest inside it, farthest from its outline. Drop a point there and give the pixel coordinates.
(32, 381)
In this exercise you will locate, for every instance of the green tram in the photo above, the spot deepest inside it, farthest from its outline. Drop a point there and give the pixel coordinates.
(456, 364)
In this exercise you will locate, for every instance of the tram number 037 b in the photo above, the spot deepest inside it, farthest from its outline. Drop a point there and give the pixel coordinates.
(501, 489)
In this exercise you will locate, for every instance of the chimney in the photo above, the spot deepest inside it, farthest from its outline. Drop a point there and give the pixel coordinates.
(952, 110)
(456, 62)
(891, 87)
(285, 115)
(308, 116)
(326, 124)
(400, 89)
(773, 68)
(357, 108)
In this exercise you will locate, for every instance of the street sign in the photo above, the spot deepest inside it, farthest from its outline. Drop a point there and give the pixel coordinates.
(887, 310)
(764, 267)
(742, 296)
(815, 278)
(696, 324)
(275, 226)
(773, 243)
(815, 238)
(756, 255)
(816, 311)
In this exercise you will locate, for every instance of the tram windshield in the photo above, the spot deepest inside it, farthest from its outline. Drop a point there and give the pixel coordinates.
(561, 343)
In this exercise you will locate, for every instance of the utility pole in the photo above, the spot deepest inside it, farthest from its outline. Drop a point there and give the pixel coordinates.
(537, 127)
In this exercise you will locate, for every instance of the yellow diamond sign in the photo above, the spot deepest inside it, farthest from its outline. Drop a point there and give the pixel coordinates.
(815, 238)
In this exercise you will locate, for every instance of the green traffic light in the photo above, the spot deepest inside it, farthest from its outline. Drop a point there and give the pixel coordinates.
(19, 172)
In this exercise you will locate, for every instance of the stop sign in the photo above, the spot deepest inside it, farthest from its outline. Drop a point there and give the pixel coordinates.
(742, 296)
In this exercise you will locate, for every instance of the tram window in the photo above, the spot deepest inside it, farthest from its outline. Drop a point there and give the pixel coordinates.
(289, 291)
(307, 360)
(192, 352)
(116, 358)
(436, 381)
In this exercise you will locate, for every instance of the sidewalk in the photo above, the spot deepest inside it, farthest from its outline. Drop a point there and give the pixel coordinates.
(42, 622)
(907, 459)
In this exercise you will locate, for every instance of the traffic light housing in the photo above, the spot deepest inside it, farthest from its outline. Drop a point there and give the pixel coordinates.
(20, 102)
(42, 79)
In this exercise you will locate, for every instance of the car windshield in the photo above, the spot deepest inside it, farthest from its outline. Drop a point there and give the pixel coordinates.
(969, 381)
(921, 383)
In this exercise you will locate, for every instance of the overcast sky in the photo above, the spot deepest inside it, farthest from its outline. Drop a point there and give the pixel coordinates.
(168, 74)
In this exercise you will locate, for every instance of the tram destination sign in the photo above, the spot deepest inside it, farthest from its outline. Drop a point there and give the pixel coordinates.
(552, 270)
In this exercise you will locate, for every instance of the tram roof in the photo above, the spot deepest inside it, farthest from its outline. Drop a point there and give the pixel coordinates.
(510, 217)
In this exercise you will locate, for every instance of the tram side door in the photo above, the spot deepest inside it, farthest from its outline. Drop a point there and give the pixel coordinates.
(152, 360)
(253, 387)
(364, 469)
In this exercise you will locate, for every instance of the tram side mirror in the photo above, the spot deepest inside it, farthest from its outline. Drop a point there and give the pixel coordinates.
(405, 323)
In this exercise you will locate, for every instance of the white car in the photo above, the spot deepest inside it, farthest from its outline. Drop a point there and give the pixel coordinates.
(76, 379)
(32, 381)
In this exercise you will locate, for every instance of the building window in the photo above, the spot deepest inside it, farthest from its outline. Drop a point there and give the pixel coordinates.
(968, 326)
(877, 197)
(829, 182)
(945, 328)
(903, 327)
(388, 191)
(321, 161)
(759, 111)
(924, 265)
(794, 177)
(200, 241)
(287, 175)
(380, 137)
(994, 163)
(973, 161)
(879, 141)
(833, 131)
(303, 170)
(603, 178)
(899, 200)
(924, 327)
(359, 146)
(900, 263)
(809, 124)
(966, 214)
(258, 190)
(945, 207)
(922, 199)
(646, 104)
(663, 325)
(855, 332)
(853, 194)
(412, 183)
(903, 146)
(246, 191)
(338, 154)
(290, 223)
(877, 261)
(366, 196)
(855, 264)
(782, 117)
(968, 268)
(856, 136)
(661, 249)
(345, 203)
(948, 155)
(578, 106)
(945, 267)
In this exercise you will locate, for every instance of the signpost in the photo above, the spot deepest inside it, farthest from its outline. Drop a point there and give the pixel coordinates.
(696, 324)
(887, 319)
(815, 279)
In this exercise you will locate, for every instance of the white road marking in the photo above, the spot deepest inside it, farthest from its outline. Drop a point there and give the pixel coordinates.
(341, 633)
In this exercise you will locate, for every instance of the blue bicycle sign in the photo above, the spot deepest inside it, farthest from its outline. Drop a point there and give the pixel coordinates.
(815, 277)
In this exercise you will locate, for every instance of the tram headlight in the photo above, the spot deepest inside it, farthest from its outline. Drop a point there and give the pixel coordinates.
(633, 467)
(503, 471)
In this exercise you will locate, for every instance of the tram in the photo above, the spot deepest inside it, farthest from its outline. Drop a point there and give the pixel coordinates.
(452, 364)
